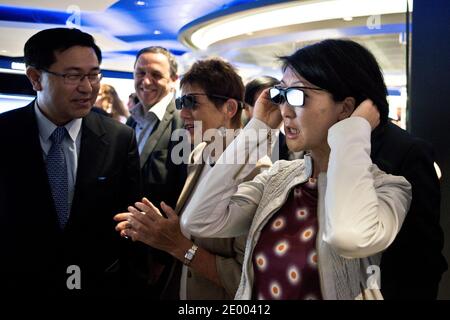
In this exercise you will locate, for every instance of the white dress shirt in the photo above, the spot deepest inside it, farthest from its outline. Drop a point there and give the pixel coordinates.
(147, 120)
(71, 145)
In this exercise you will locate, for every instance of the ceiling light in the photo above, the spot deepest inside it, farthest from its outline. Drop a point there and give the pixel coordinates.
(18, 66)
(156, 32)
(12, 71)
(438, 171)
(288, 14)
(348, 18)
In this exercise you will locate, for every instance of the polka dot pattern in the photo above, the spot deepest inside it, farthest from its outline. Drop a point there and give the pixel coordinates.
(285, 258)
(307, 234)
(261, 262)
(293, 275)
(281, 248)
(278, 224)
(302, 214)
(313, 259)
(275, 290)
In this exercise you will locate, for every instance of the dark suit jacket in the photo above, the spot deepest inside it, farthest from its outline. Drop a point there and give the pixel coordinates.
(283, 148)
(412, 266)
(162, 179)
(35, 253)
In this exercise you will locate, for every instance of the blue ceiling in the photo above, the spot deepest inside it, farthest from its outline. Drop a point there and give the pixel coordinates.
(136, 21)
(135, 24)
(140, 23)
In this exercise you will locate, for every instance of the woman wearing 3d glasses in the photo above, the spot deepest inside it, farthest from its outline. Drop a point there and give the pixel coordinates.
(212, 99)
(317, 226)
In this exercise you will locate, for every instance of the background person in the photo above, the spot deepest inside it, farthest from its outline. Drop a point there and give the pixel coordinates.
(109, 101)
(253, 90)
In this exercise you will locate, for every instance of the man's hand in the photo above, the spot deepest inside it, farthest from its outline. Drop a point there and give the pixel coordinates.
(150, 227)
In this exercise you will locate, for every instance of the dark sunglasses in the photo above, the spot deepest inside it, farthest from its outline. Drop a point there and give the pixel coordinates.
(188, 101)
(295, 96)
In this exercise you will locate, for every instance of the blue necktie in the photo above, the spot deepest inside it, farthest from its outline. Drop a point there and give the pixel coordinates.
(57, 175)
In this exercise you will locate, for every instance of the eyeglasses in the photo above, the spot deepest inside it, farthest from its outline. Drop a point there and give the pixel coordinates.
(77, 78)
(188, 101)
(295, 96)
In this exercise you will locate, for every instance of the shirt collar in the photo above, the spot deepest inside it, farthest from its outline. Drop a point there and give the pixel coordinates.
(158, 109)
(46, 127)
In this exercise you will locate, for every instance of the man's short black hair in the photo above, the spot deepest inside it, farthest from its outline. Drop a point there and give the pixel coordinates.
(170, 57)
(40, 49)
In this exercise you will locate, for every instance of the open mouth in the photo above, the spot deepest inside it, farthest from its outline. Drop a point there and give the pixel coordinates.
(291, 132)
(82, 101)
(147, 90)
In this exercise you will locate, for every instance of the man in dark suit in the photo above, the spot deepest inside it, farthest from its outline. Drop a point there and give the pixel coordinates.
(64, 172)
(412, 266)
(154, 119)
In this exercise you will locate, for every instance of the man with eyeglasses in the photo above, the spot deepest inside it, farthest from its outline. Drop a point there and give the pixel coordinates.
(64, 173)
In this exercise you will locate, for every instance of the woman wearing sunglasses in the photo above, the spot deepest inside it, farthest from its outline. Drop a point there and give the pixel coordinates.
(212, 94)
(316, 226)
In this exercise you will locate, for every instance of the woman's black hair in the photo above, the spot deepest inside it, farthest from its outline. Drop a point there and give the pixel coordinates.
(252, 87)
(344, 68)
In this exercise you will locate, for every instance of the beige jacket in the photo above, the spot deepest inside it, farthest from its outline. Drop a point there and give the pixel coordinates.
(229, 251)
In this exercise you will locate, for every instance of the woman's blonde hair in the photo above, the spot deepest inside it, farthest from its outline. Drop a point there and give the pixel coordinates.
(111, 103)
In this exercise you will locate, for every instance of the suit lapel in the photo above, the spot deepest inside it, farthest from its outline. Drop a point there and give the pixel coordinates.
(156, 135)
(30, 129)
(31, 143)
(195, 168)
(93, 150)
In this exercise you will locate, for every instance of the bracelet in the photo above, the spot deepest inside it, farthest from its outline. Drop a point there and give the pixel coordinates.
(190, 255)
